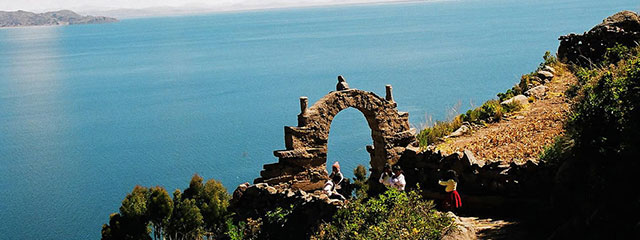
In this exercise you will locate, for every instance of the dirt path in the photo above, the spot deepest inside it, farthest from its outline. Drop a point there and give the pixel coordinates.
(523, 135)
(495, 228)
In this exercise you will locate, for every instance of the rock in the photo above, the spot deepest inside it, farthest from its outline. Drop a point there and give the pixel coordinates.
(262, 185)
(549, 69)
(460, 131)
(538, 92)
(545, 75)
(521, 99)
(469, 155)
(590, 48)
(463, 231)
(272, 190)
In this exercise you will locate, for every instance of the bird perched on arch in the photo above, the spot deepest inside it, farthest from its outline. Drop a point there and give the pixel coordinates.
(342, 84)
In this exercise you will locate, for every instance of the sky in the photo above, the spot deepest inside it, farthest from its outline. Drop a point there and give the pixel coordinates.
(92, 5)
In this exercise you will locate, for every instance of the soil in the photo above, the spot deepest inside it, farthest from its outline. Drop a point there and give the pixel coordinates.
(522, 135)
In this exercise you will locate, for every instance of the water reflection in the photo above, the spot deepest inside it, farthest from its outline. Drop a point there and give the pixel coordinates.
(31, 124)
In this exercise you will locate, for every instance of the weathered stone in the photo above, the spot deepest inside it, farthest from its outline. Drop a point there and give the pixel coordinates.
(303, 164)
(272, 190)
(544, 75)
(460, 131)
(549, 69)
(462, 231)
(520, 99)
(590, 48)
(538, 92)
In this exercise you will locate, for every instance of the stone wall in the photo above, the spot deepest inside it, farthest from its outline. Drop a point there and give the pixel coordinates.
(590, 47)
(477, 177)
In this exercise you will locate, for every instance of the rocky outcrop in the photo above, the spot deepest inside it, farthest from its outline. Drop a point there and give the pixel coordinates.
(590, 47)
(302, 165)
(305, 210)
(62, 17)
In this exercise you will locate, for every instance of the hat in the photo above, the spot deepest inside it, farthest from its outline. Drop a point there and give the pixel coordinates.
(336, 165)
(387, 165)
(396, 168)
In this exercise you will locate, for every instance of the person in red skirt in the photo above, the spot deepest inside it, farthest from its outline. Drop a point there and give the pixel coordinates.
(453, 200)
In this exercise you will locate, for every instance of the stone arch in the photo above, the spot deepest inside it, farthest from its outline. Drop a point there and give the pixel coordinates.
(302, 165)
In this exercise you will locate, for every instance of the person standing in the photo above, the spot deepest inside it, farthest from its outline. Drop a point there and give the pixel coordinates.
(385, 177)
(453, 201)
(397, 180)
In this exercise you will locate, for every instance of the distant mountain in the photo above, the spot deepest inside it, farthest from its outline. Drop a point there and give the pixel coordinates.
(62, 17)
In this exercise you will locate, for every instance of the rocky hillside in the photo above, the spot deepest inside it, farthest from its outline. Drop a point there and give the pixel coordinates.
(62, 17)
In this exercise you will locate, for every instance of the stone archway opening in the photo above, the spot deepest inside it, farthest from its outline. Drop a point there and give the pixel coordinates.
(348, 137)
(302, 165)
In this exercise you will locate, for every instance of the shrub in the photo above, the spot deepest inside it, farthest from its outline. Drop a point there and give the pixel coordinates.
(394, 215)
(360, 181)
(440, 129)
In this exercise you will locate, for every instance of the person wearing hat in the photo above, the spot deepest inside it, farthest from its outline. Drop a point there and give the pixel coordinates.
(453, 201)
(397, 180)
(385, 177)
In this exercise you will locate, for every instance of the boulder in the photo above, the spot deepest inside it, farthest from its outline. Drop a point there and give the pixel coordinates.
(521, 99)
(464, 230)
(544, 75)
(549, 69)
(538, 92)
(460, 131)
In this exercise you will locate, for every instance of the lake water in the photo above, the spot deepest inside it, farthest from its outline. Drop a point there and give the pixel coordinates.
(87, 112)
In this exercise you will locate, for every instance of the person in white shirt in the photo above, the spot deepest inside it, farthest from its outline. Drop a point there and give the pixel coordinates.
(397, 181)
(333, 184)
(385, 177)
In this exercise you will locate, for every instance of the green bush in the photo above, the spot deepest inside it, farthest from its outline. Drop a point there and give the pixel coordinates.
(558, 151)
(394, 215)
(606, 115)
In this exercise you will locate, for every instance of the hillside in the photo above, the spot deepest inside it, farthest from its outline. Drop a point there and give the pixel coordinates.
(62, 17)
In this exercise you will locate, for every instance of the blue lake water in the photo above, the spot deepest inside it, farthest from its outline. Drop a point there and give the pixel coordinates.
(87, 112)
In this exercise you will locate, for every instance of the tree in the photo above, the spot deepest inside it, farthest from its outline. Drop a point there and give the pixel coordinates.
(186, 221)
(215, 201)
(160, 207)
(132, 221)
(195, 188)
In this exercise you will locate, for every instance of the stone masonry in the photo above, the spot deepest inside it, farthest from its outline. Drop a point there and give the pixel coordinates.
(302, 165)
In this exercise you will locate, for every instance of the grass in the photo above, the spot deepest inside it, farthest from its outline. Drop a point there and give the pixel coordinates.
(491, 111)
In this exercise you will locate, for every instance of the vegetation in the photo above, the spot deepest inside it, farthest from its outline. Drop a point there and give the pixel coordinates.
(490, 111)
(598, 156)
(360, 181)
(393, 215)
(200, 210)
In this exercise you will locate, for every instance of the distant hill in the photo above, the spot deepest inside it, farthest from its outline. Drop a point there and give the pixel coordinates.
(62, 17)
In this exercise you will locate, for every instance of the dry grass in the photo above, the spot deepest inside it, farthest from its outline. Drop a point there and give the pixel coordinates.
(523, 135)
